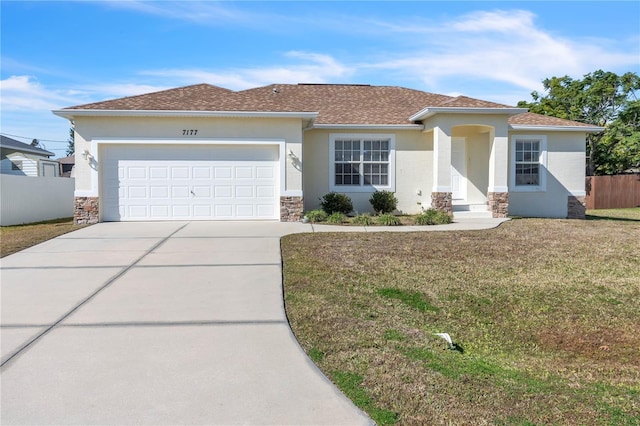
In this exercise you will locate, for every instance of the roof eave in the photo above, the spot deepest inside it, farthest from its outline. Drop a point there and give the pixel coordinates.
(72, 113)
(530, 127)
(431, 111)
(40, 152)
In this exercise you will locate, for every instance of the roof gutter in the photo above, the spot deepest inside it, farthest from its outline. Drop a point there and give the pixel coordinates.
(72, 113)
(529, 127)
(366, 127)
(431, 111)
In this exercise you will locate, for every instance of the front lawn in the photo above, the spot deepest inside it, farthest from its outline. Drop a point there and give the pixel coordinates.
(20, 237)
(546, 314)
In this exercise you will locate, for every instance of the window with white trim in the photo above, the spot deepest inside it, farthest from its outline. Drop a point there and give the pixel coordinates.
(361, 163)
(528, 163)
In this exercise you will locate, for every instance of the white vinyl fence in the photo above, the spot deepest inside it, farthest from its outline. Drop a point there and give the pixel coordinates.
(26, 199)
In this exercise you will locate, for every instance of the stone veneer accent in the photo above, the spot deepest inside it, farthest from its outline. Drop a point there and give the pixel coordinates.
(291, 209)
(498, 203)
(86, 210)
(576, 207)
(442, 201)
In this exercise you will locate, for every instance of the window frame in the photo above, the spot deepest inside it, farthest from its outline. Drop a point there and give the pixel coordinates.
(542, 162)
(362, 186)
(17, 165)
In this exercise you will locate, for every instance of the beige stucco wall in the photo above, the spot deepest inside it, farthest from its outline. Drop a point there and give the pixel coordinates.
(414, 156)
(89, 128)
(565, 175)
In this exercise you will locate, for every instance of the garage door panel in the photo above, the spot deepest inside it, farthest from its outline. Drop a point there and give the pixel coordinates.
(180, 173)
(158, 173)
(244, 172)
(136, 173)
(265, 191)
(207, 183)
(223, 191)
(244, 191)
(201, 173)
(264, 173)
(159, 212)
(223, 173)
(159, 192)
(201, 191)
(244, 210)
(137, 192)
(180, 192)
(223, 210)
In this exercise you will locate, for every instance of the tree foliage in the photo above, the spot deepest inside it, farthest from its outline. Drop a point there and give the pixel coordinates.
(603, 99)
(71, 145)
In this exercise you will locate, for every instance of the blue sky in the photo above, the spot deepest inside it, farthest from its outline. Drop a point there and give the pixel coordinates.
(59, 54)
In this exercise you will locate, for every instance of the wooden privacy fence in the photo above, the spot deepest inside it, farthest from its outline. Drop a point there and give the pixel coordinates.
(613, 192)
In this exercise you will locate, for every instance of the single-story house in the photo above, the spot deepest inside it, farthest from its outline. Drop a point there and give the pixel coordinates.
(17, 158)
(206, 152)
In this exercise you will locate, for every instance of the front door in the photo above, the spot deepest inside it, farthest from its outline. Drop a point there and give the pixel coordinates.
(458, 169)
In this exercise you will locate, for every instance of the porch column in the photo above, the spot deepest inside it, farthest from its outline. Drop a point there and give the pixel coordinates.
(441, 192)
(498, 191)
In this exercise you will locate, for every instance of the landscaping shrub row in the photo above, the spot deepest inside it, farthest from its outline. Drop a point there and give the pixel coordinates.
(336, 207)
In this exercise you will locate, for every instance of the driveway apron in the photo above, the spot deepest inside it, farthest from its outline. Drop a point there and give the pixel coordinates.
(158, 323)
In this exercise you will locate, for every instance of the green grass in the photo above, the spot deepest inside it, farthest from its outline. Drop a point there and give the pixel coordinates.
(614, 214)
(545, 310)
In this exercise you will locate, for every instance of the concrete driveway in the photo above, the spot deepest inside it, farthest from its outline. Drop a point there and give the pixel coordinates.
(158, 323)
(162, 323)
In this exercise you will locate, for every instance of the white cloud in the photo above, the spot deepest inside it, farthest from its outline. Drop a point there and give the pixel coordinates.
(201, 12)
(500, 46)
(23, 92)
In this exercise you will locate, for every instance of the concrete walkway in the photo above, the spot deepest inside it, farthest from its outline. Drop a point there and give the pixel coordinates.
(161, 323)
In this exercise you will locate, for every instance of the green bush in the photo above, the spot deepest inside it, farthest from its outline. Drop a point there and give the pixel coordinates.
(433, 217)
(337, 218)
(316, 216)
(336, 202)
(383, 201)
(387, 219)
(364, 219)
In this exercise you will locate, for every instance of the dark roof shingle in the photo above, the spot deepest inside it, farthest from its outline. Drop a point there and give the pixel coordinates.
(335, 103)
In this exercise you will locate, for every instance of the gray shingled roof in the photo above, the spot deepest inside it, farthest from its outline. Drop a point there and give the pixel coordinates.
(14, 145)
(334, 103)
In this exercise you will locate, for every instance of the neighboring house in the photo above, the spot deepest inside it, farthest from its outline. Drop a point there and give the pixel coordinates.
(17, 158)
(66, 165)
(205, 152)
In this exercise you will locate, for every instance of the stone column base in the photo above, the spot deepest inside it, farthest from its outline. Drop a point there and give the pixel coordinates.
(576, 207)
(86, 210)
(291, 209)
(498, 203)
(442, 201)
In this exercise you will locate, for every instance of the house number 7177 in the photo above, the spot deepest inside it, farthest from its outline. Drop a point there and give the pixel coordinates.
(189, 132)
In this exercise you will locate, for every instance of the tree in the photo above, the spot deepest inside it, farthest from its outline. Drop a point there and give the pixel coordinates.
(603, 99)
(71, 147)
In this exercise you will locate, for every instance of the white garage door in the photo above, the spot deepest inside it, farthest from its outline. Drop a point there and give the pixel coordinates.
(189, 182)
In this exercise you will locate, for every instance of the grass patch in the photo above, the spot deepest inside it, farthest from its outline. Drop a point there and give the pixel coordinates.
(614, 214)
(19, 237)
(546, 310)
(351, 385)
(410, 298)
